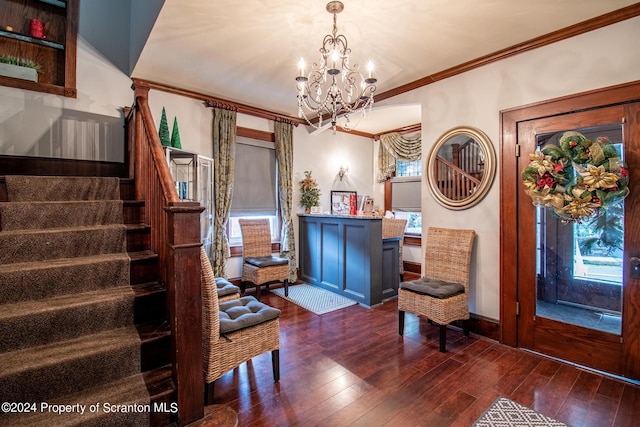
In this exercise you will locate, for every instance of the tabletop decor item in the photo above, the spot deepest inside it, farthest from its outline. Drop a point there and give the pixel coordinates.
(163, 130)
(175, 135)
(309, 192)
(36, 28)
(577, 178)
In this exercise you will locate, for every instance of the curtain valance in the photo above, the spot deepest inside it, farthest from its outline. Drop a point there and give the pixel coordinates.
(395, 146)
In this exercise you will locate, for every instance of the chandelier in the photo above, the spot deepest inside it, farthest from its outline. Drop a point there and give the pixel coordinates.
(333, 88)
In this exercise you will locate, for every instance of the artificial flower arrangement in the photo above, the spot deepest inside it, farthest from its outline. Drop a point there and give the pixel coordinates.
(309, 192)
(577, 178)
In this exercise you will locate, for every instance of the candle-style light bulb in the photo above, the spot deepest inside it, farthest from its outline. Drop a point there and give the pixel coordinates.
(334, 58)
(301, 66)
(370, 68)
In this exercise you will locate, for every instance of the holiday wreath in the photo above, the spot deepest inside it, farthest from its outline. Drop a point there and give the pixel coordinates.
(576, 178)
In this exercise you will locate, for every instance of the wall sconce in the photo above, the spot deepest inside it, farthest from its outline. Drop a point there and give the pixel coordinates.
(342, 172)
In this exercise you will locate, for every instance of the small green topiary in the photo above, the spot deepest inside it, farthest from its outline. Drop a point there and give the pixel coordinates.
(163, 132)
(175, 135)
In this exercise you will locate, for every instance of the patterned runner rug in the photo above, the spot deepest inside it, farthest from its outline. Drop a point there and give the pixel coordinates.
(507, 413)
(316, 300)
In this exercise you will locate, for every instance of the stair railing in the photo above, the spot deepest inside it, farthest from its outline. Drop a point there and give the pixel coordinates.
(468, 157)
(175, 238)
(453, 182)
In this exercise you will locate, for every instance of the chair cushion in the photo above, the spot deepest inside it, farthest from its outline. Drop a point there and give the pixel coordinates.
(266, 261)
(433, 288)
(244, 312)
(225, 287)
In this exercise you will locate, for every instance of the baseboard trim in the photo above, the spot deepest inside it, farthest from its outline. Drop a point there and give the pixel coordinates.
(480, 325)
(412, 267)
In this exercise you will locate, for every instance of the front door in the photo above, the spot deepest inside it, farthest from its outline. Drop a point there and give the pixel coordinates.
(578, 289)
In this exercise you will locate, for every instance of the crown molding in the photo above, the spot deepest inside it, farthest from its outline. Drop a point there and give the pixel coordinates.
(564, 33)
(211, 101)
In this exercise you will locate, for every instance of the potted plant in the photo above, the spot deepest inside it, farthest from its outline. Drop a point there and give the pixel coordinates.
(309, 192)
(19, 68)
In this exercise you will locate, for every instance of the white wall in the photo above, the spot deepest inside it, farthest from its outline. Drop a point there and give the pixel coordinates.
(601, 58)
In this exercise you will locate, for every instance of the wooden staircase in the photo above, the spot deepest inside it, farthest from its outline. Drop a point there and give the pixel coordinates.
(50, 357)
(163, 246)
(458, 178)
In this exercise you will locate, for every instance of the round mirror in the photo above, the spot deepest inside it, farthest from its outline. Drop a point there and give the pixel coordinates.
(461, 167)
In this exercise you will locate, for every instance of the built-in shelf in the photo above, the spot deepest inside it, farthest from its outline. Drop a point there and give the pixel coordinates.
(55, 3)
(30, 39)
(55, 53)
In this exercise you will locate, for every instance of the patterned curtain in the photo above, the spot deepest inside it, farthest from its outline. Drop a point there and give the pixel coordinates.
(284, 152)
(395, 146)
(224, 154)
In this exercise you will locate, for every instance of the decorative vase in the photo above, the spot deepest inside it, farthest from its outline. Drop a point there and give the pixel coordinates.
(36, 28)
(307, 210)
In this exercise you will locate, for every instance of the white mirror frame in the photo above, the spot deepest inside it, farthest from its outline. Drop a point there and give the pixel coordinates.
(488, 173)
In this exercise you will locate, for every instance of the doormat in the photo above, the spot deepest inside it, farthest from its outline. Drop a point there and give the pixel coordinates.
(316, 300)
(507, 413)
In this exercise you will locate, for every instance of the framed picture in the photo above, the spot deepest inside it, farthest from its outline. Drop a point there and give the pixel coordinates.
(368, 206)
(344, 202)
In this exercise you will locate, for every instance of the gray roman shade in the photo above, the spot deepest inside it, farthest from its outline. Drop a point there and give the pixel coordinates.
(254, 185)
(405, 194)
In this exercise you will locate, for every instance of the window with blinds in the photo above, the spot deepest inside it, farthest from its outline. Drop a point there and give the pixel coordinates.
(255, 179)
(255, 186)
(406, 194)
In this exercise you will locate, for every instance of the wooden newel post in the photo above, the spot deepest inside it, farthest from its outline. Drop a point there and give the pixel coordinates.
(185, 307)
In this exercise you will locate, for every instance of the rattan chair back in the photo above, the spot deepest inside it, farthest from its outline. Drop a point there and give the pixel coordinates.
(210, 313)
(256, 237)
(394, 227)
(448, 255)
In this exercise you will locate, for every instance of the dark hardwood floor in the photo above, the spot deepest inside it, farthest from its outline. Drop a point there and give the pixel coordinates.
(351, 368)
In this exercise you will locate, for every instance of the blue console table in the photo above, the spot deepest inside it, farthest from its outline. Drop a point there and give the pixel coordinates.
(347, 255)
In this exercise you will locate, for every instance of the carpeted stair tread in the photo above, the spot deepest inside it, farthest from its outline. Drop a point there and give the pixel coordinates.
(153, 386)
(31, 245)
(68, 366)
(57, 214)
(131, 390)
(42, 279)
(33, 323)
(23, 188)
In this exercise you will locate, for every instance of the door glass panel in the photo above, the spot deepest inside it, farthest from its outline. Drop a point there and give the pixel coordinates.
(579, 264)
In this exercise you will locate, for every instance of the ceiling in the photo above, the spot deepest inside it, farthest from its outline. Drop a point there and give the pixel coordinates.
(247, 51)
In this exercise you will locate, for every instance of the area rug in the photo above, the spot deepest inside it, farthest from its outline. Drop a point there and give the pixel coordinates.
(316, 300)
(507, 413)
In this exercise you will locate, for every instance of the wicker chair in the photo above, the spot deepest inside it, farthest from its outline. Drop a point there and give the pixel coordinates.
(392, 227)
(226, 290)
(223, 351)
(258, 265)
(442, 295)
